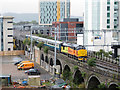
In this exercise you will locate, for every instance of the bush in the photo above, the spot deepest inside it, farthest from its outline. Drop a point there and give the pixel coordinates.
(82, 85)
(110, 53)
(83, 74)
(33, 42)
(76, 68)
(91, 62)
(46, 49)
(40, 45)
(102, 86)
(67, 75)
(106, 54)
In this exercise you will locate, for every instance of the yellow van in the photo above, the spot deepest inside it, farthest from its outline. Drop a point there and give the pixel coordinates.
(22, 63)
(26, 66)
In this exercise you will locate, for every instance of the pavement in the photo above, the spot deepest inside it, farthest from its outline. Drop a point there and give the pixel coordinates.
(8, 68)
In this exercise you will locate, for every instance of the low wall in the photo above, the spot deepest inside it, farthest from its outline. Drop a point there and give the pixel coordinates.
(11, 53)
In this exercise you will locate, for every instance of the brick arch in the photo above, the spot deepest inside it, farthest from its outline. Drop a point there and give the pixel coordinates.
(93, 82)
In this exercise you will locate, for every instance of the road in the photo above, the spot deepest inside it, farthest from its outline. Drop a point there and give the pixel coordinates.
(8, 68)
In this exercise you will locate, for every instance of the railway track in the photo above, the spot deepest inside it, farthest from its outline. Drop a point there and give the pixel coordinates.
(107, 65)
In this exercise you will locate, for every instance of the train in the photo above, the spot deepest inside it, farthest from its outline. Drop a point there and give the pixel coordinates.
(75, 51)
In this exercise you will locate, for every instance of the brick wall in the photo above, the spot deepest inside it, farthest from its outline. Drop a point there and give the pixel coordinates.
(10, 53)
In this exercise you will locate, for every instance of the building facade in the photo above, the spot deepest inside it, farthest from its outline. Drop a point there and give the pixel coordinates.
(6, 33)
(53, 10)
(100, 15)
(67, 29)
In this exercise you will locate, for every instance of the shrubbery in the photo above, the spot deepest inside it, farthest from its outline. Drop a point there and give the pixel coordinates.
(40, 45)
(91, 62)
(46, 49)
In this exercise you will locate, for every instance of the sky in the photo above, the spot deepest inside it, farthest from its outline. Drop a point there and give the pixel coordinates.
(31, 6)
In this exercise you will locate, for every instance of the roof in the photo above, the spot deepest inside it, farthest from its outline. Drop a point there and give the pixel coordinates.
(4, 75)
(45, 39)
(7, 17)
(67, 44)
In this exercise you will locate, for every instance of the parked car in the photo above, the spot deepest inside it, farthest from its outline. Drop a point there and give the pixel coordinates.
(26, 72)
(33, 72)
(17, 62)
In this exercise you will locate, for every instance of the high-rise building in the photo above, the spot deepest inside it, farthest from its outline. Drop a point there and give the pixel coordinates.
(6, 33)
(53, 10)
(100, 15)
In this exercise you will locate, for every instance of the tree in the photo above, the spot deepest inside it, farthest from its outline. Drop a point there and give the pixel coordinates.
(46, 49)
(102, 86)
(91, 62)
(25, 41)
(101, 52)
(33, 42)
(34, 22)
(40, 45)
(66, 74)
(76, 68)
(106, 54)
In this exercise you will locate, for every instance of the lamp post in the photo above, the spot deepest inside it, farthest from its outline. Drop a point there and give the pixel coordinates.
(119, 69)
(31, 43)
(55, 53)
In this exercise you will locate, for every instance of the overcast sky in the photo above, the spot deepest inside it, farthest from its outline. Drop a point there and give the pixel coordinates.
(31, 6)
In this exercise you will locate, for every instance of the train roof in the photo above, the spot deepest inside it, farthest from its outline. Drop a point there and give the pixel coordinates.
(77, 47)
(45, 39)
(67, 44)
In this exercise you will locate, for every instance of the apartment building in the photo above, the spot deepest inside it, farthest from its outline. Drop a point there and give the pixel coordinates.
(67, 29)
(52, 11)
(6, 33)
(100, 15)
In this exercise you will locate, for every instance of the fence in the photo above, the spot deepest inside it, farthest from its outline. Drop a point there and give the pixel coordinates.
(12, 53)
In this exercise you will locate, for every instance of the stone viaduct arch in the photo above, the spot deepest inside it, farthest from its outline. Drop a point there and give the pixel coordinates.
(78, 79)
(93, 82)
(113, 86)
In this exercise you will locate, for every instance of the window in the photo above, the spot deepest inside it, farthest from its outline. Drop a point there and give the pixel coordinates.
(9, 22)
(10, 42)
(10, 28)
(115, 3)
(108, 14)
(108, 8)
(115, 19)
(108, 26)
(9, 49)
(115, 26)
(108, 1)
(108, 21)
(10, 35)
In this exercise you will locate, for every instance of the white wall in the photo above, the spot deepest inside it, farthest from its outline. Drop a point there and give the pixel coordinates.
(80, 39)
(7, 32)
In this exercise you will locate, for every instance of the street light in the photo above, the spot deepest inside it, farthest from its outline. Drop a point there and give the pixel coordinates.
(31, 43)
(55, 53)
